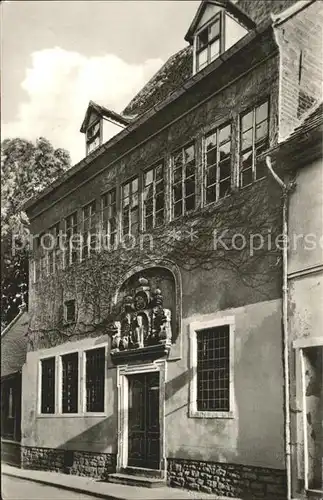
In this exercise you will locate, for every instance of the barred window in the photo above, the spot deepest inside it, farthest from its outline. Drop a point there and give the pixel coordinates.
(95, 376)
(72, 244)
(88, 229)
(48, 385)
(213, 369)
(70, 383)
(109, 217)
(130, 208)
(254, 140)
(154, 197)
(217, 164)
(70, 312)
(183, 180)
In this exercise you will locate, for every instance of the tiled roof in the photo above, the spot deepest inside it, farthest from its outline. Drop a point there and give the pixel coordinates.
(102, 111)
(171, 76)
(14, 345)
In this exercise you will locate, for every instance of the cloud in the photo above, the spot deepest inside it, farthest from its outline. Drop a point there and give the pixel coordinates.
(59, 85)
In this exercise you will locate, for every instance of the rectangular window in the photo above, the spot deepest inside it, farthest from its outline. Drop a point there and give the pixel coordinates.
(70, 311)
(88, 229)
(93, 137)
(72, 240)
(213, 388)
(183, 180)
(42, 254)
(109, 218)
(95, 376)
(208, 44)
(254, 140)
(54, 250)
(48, 385)
(130, 208)
(217, 164)
(154, 197)
(70, 383)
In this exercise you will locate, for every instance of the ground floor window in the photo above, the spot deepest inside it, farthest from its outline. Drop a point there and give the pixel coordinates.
(70, 383)
(95, 377)
(11, 407)
(48, 385)
(211, 360)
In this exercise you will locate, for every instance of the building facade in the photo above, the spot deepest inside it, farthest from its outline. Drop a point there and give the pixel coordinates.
(155, 339)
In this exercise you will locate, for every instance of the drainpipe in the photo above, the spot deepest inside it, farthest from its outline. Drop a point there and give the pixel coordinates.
(285, 189)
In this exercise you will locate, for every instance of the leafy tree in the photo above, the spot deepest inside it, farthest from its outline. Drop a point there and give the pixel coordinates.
(26, 169)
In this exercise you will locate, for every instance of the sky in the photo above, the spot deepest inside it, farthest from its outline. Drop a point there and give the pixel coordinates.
(57, 55)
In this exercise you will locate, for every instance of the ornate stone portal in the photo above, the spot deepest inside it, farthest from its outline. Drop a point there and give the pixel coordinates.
(144, 324)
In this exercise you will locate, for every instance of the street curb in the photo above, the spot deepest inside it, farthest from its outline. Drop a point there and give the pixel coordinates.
(65, 487)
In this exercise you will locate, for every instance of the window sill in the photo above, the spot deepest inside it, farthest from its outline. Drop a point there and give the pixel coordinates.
(9, 441)
(71, 415)
(211, 414)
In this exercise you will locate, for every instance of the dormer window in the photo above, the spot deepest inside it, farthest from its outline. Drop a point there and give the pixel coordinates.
(208, 44)
(93, 136)
(217, 26)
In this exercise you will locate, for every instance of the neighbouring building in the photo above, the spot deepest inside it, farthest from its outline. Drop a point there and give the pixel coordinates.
(13, 356)
(155, 337)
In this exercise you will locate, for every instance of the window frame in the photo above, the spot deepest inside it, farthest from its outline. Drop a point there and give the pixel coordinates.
(218, 17)
(87, 238)
(193, 142)
(90, 141)
(207, 132)
(143, 226)
(103, 208)
(84, 386)
(194, 329)
(53, 255)
(251, 109)
(60, 398)
(68, 250)
(66, 320)
(123, 184)
(40, 385)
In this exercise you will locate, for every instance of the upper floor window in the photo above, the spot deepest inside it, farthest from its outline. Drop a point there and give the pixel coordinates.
(208, 43)
(254, 139)
(109, 217)
(93, 137)
(217, 164)
(89, 229)
(70, 311)
(154, 197)
(130, 208)
(53, 252)
(72, 242)
(183, 180)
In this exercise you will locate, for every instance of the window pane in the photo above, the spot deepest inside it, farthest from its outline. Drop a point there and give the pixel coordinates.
(214, 49)
(211, 175)
(202, 59)
(225, 149)
(247, 121)
(214, 29)
(211, 157)
(262, 112)
(225, 169)
(178, 209)
(134, 185)
(190, 186)
(178, 192)
(149, 222)
(159, 172)
(190, 203)
(225, 133)
(211, 194)
(203, 38)
(213, 390)
(189, 154)
(177, 177)
(211, 141)
(246, 177)
(95, 377)
(261, 130)
(246, 140)
(225, 187)
(149, 177)
(48, 385)
(70, 383)
(125, 191)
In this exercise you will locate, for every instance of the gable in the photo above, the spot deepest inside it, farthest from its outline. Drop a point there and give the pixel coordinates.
(14, 345)
(209, 11)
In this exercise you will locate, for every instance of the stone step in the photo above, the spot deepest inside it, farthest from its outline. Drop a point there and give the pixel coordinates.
(132, 480)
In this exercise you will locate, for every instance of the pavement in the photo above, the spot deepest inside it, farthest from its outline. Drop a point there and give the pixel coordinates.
(102, 489)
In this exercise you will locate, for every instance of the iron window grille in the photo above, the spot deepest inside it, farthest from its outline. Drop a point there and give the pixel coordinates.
(154, 197)
(213, 369)
(209, 43)
(88, 230)
(48, 385)
(109, 217)
(72, 244)
(95, 379)
(183, 180)
(130, 208)
(217, 164)
(70, 383)
(254, 140)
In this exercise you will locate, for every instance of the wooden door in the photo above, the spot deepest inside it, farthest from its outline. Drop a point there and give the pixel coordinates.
(143, 421)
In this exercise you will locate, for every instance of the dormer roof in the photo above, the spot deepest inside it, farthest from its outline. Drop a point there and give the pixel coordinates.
(103, 112)
(229, 6)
